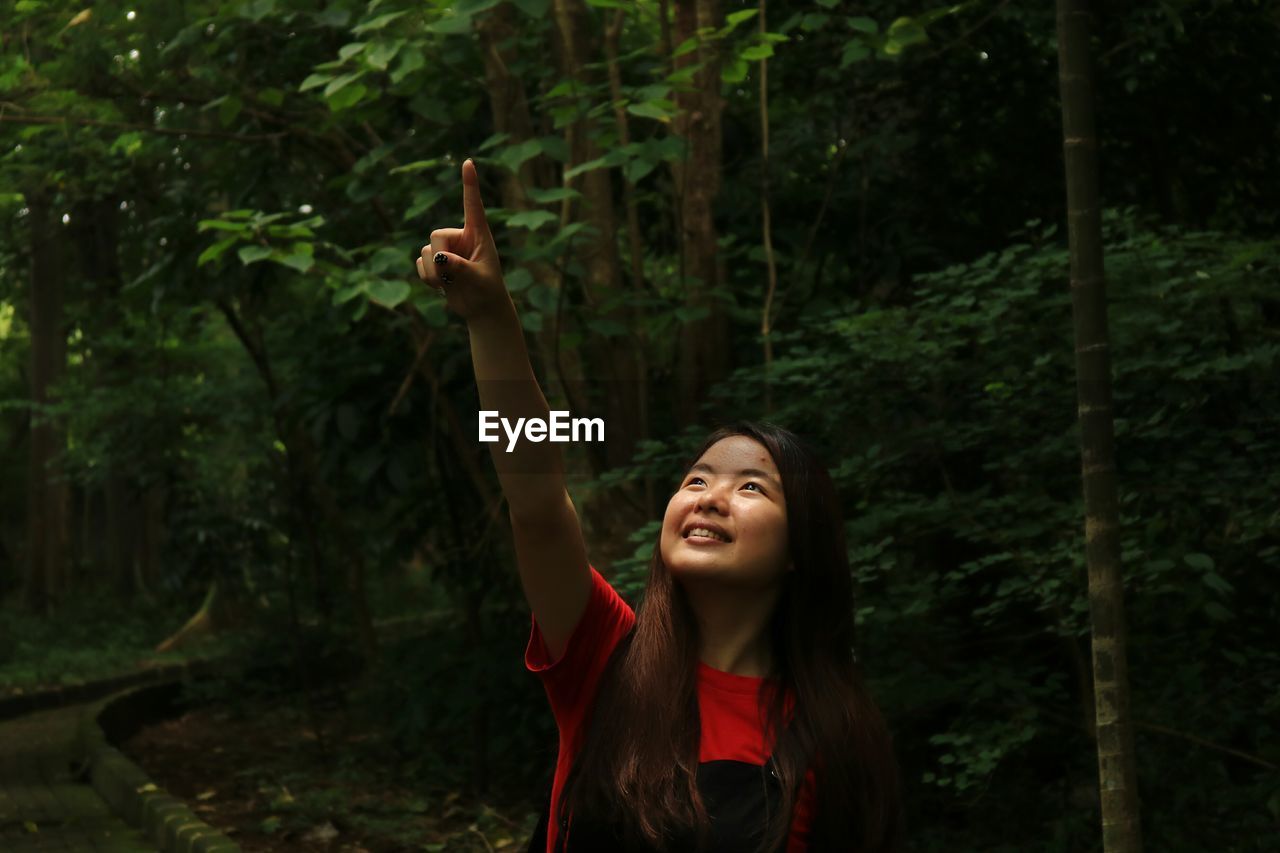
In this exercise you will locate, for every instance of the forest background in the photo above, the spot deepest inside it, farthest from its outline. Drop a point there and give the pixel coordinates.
(222, 383)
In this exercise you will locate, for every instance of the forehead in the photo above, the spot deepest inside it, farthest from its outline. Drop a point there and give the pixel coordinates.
(737, 452)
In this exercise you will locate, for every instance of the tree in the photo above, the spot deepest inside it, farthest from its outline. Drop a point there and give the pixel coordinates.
(47, 491)
(1121, 831)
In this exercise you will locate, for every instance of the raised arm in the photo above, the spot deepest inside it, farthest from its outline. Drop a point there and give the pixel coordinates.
(463, 264)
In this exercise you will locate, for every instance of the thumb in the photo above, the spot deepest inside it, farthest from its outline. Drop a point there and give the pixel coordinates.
(447, 263)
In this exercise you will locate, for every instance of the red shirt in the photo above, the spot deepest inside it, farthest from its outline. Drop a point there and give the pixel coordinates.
(732, 728)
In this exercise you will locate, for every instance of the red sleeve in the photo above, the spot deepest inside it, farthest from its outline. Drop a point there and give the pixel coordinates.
(571, 681)
(802, 815)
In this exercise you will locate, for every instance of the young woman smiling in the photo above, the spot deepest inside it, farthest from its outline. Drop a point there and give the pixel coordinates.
(729, 713)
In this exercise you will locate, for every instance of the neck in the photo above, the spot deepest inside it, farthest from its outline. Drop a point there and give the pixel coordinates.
(733, 626)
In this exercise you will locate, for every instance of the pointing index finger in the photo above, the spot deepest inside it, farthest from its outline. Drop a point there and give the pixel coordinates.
(472, 206)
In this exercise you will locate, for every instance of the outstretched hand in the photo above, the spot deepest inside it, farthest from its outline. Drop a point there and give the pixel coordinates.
(462, 263)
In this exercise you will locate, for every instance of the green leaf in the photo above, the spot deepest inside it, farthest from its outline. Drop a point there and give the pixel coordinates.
(299, 261)
(511, 157)
(1202, 562)
(638, 168)
(416, 166)
(347, 97)
(314, 80)
(757, 51)
(532, 219)
(378, 22)
(410, 61)
(271, 96)
(607, 328)
(613, 158)
(347, 294)
(349, 50)
(687, 46)
(853, 52)
(382, 54)
(388, 259)
(1218, 582)
(813, 21)
(433, 311)
(256, 10)
(655, 109)
(339, 83)
(451, 24)
(253, 254)
(215, 251)
(387, 292)
(229, 109)
(128, 143)
(864, 25)
(422, 201)
(542, 196)
(1217, 612)
(518, 279)
(531, 321)
(734, 71)
(903, 33)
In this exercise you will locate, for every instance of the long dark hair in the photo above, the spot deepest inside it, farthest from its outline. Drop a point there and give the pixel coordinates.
(638, 760)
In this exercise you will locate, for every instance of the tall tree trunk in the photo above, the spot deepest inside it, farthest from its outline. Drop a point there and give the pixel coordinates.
(635, 241)
(151, 544)
(616, 363)
(1121, 827)
(615, 368)
(47, 493)
(766, 227)
(560, 370)
(95, 230)
(118, 567)
(704, 343)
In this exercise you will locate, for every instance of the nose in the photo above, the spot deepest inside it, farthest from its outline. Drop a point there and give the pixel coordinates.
(712, 497)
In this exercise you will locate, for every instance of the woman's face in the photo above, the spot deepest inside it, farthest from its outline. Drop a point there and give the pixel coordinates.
(735, 490)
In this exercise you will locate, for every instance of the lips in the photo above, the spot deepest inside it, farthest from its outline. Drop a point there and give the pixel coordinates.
(713, 527)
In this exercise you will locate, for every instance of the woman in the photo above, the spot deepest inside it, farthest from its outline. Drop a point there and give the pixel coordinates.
(729, 713)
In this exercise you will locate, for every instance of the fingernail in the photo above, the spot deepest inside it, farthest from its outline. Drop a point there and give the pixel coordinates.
(440, 258)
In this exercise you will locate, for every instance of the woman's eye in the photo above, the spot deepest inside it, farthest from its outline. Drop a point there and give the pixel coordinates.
(757, 485)
(692, 480)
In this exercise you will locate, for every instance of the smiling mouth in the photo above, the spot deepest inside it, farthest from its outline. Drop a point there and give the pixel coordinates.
(707, 536)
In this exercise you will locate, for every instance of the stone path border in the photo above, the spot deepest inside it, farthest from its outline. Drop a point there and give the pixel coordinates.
(44, 804)
(163, 818)
(125, 811)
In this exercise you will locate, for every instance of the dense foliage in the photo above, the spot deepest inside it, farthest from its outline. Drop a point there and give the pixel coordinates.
(238, 192)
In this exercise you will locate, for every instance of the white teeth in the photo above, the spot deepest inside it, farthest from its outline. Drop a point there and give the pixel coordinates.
(702, 531)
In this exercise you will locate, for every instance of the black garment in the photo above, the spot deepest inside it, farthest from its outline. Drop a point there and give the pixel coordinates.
(739, 797)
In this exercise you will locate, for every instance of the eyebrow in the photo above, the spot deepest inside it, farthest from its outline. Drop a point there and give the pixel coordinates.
(752, 472)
